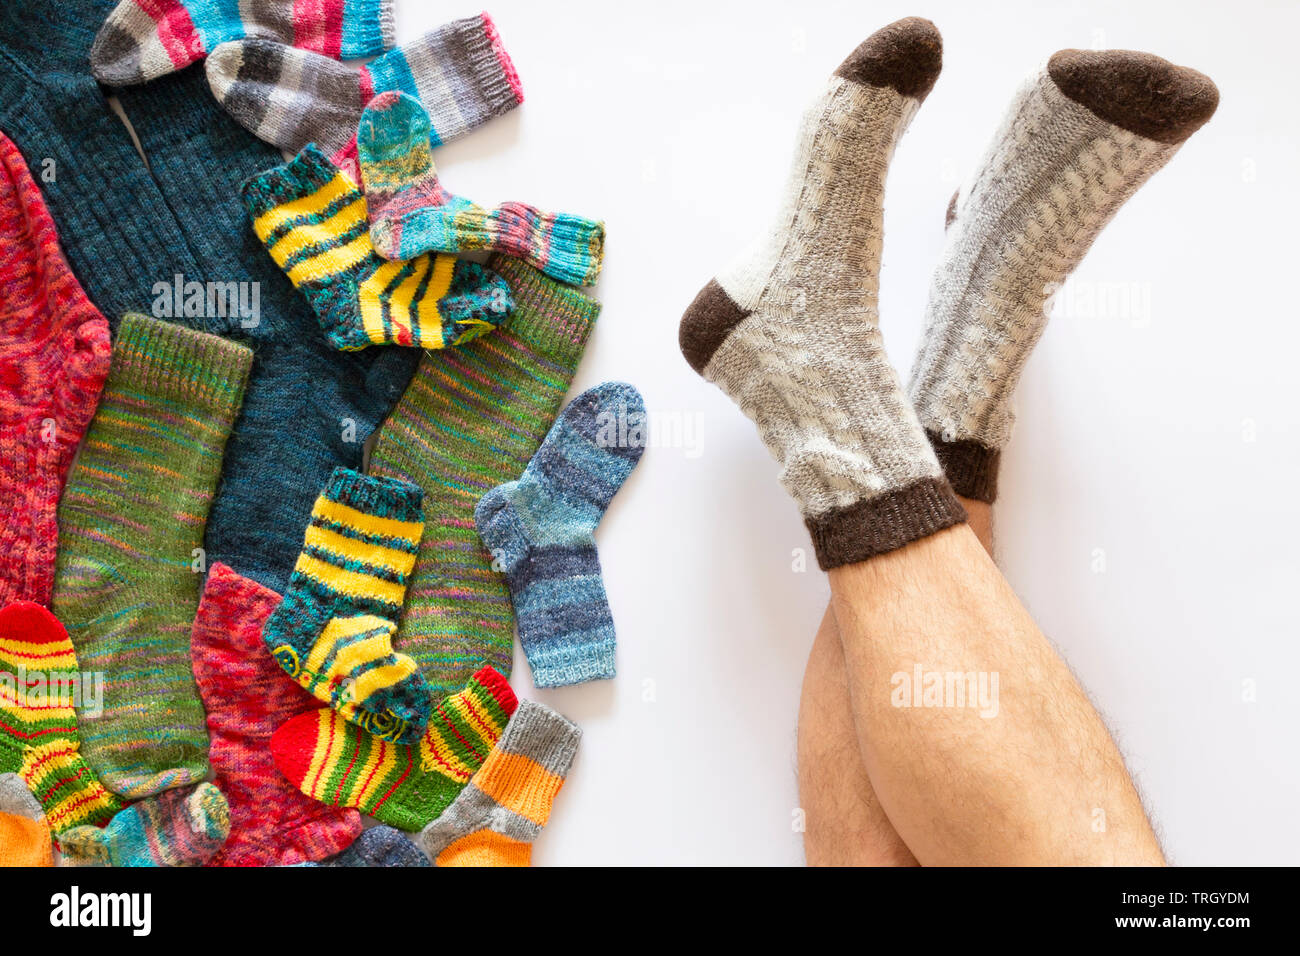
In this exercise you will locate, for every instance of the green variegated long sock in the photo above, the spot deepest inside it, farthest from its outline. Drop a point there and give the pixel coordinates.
(470, 420)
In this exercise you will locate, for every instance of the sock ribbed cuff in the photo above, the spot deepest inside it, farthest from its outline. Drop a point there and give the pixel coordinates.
(562, 666)
(389, 498)
(971, 467)
(545, 737)
(177, 363)
(884, 523)
(307, 173)
(490, 70)
(553, 317)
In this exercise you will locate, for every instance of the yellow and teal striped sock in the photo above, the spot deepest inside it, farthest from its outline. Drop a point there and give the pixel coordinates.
(333, 631)
(131, 526)
(313, 220)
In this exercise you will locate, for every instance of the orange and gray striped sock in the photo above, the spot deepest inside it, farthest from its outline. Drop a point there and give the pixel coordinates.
(131, 526)
(495, 820)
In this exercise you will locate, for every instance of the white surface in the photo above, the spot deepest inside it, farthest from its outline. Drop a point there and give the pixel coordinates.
(675, 121)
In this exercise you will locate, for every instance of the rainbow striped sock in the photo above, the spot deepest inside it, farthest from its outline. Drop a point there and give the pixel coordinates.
(131, 526)
(337, 763)
(333, 631)
(313, 220)
(470, 420)
(411, 213)
(144, 39)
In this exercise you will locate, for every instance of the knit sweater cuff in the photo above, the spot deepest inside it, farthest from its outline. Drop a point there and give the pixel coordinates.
(553, 317)
(173, 362)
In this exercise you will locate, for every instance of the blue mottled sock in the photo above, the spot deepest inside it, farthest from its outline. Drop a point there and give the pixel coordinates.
(540, 532)
(378, 846)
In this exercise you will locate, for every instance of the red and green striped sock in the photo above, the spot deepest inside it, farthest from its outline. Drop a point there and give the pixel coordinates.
(131, 526)
(470, 420)
(403, 785)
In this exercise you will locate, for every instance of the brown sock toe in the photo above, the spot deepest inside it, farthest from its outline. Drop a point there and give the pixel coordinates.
(906, 55)
(1138, 92)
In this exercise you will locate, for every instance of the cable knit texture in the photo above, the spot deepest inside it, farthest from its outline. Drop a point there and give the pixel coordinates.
(1055, 173)
(54, 354)
(790, 330)
(247, 698)
(129, 229)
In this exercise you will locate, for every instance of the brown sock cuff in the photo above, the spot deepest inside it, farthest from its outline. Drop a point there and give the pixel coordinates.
(884, 523)
(972, 468)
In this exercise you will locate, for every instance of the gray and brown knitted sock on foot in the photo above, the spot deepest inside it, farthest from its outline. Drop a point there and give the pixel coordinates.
(1080, 138)
(789, 331)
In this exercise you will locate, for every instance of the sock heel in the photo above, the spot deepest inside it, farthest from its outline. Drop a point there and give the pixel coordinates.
(706, 323)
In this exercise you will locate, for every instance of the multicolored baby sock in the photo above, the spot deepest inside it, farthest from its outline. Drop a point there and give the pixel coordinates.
(39, 680)
(1080, 138)
(313, 221)
(53, 361)
(177, 828)
(540, 530)
(333, 631)
(497, 818)
(411, 213)
(145, 39)
(131, 528)
(24, 835)
(470, 420)
(289, 98)
(247, 698)
(406, 786)
(379, 846)
(790, 331)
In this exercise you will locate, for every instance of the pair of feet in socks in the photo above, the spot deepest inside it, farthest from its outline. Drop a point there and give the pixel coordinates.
(790, 330)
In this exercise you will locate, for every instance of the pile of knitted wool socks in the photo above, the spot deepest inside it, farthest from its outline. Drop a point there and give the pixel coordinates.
(193, 732)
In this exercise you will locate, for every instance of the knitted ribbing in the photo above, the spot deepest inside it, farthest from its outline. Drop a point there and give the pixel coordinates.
(247, 698)
(131, 528)
(289, 98)
(404, 785)
(313, 220)
(471, 420)
(790, 330)
(177, 828)
(1054, 175)
(333, 631)
(411, 213)
(496, 819)
(53, 361)
(540, 531)
(128, 227)
(144, 39)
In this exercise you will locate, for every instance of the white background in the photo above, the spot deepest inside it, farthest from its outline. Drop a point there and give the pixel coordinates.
(1161, 440)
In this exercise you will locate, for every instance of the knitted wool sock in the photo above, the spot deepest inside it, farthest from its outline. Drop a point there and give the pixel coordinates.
(541, 531)
(177, 828)
(145, 39)
(289, 98)
(53, 361)
(411, 213)
(333, 631)
(497, 818)
(379, 846)
(470, 420)
(247, 698)
(789, 331)
(38, 721)
(312, 219)
(131, 523)
(1080, 138)
(24, 835)
(405, 786)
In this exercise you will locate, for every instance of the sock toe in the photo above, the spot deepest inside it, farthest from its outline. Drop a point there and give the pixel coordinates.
(209, 815)
(116, 57)
(31, 623)
(293, 742)
(907, 55)
(222, 68)
(1139, 92)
